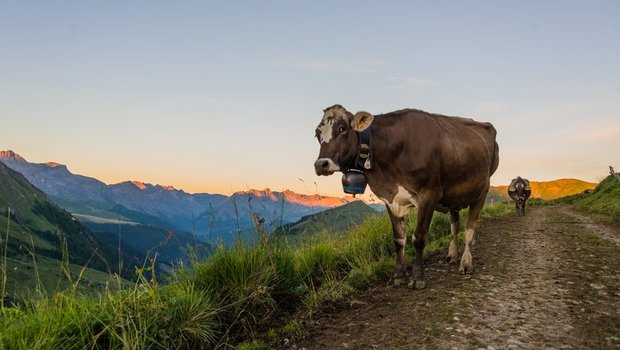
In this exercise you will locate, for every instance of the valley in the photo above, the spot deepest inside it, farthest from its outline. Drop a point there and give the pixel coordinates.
(212, 218)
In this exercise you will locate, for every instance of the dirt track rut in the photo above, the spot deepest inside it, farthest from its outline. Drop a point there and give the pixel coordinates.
(550, 280)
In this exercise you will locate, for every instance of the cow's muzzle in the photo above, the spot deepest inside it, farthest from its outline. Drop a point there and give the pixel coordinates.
(325, 166)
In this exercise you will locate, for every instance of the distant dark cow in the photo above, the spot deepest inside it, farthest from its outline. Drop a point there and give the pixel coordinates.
(429, 161)
(519, 190)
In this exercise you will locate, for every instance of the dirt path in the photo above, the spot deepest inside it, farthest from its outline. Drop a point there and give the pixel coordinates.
(550, 280)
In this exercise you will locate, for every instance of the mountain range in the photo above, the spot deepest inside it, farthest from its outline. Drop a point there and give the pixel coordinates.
(214, 217)
(38, 229)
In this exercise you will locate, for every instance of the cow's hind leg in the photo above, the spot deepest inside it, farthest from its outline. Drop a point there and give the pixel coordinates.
(425, 214)
(400, 242)
(453, 250)
(467, 265)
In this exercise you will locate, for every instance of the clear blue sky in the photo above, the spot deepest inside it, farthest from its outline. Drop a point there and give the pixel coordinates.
(225, 96)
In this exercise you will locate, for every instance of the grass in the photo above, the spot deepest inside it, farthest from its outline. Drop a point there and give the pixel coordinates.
(238, 296)
(28, 274)
(178, 316)
(603, 202)
(52, 277)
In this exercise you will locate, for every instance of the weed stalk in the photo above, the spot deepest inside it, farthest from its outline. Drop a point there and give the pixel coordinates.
(4, 255)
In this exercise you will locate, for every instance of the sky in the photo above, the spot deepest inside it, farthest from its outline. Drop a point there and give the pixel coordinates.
(224, 96)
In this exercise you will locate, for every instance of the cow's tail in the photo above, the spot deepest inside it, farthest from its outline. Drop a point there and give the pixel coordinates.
(495, 160)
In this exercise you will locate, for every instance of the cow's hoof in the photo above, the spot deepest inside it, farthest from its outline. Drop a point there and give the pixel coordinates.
(449, 259)
(416, 284)
(397, 282)
(464, 270)
(466, 264)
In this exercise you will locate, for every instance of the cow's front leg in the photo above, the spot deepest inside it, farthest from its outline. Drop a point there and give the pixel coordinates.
(467, 265)
(425, 215)
(400, 242)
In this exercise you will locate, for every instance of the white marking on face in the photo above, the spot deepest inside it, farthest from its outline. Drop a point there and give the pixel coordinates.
(402, 202)
(331, 166)
(325, 128)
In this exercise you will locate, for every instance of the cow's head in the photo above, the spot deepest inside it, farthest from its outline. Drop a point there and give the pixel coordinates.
(337, 135)
(519, 190)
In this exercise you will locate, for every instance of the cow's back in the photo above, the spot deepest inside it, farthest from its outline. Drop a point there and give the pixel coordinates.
(462, 153)
(460, 140)
(466, 137)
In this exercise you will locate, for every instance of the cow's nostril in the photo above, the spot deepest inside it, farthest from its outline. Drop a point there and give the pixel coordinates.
(321, 166)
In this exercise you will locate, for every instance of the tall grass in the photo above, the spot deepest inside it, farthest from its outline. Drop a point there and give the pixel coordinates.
(4, 243)
(232, 296)
(176, 317)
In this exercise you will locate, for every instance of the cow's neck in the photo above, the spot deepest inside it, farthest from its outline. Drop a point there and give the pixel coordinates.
(364, 161)
(384, 149)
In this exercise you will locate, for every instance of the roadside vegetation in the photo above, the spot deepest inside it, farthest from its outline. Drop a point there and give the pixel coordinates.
(246, 297)
(603, 202)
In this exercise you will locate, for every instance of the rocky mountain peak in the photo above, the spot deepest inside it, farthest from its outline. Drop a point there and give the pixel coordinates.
(138, 184)
(10, 155)
(257, 193)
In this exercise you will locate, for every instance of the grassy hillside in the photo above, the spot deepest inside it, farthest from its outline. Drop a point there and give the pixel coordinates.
(35, 218)
(38, 229)
(337, 220)
(549, 189)
(604, 201)
(28, 277)
(222, 301)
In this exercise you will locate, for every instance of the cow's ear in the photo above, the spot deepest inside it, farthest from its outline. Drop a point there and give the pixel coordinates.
(361, 121)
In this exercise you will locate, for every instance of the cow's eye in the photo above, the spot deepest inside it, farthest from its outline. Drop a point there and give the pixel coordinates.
(342, 129)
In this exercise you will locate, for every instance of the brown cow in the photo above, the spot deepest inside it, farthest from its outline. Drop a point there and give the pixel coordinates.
(430, 161)
(519, 190)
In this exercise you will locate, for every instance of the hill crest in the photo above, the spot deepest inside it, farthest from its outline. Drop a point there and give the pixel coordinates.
(550, 189)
